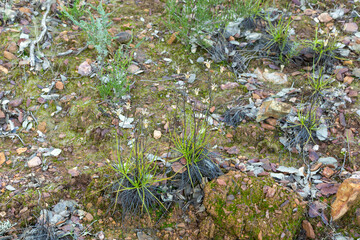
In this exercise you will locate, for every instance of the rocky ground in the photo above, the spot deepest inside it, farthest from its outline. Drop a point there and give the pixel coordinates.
(58, 135)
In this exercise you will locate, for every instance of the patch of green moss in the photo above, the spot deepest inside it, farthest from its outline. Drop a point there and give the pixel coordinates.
(251, 212)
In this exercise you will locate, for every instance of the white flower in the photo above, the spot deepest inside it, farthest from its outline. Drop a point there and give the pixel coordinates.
(222, 69)
(178, 70)
(145, 112)
(146, 123)
(187, 75)
(128, 106)
(196, 91)
(205, 100)
(207, 63)
(213, 86)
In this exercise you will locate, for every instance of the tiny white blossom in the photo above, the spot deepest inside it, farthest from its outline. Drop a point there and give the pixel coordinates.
(146, 123)
(187, 75)
(222, 69)
(213, 86)
(196, 91)
(207, 63)
(205, 100)
(144, 111)
(178, 70)
(128, 106)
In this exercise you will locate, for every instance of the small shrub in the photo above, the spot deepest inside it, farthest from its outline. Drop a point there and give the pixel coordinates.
(96, 30)
(5, 226)
(115, 83)
(76, 11)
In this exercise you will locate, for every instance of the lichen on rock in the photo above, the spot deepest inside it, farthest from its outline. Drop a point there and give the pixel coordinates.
(250, 207)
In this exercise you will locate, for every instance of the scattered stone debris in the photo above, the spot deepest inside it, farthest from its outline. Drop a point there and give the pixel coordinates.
(64, 218)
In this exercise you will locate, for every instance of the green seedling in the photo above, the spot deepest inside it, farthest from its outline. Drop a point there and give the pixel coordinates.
(76, 11)
(307, 124)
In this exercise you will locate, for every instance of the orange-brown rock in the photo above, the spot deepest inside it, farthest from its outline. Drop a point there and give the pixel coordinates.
(347, 195)
(9, 55)
(59, 85)
(309, 230)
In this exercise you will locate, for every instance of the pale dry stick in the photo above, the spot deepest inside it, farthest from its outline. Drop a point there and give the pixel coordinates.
(12, 135)
(41, 36)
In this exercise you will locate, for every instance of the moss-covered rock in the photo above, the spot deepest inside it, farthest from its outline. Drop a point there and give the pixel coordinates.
(253, 208)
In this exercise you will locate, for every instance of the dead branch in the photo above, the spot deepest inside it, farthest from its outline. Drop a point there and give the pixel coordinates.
(41, 36)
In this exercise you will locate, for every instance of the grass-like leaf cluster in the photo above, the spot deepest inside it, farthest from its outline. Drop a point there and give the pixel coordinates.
(191, 145)
(278, 40)
(137, 179)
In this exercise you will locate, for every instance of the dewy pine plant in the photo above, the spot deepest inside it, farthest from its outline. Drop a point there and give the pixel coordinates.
(192, 142)
(325, 51)
(318, 82)
(135, 188)
(279, 40)
(191, 145)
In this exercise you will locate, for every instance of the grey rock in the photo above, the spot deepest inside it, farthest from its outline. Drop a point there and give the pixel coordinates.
(344, 52)
(10, 188)
(328, 161)
(289, 170)
(358, 112)
(356, 72)
(143, 236)
(322, 132)
(232, 28)
(192, 78)
(200, 60)
(338, 13)
(278, 176)
(123, 37)
(65, 205)
(253, 36)
(258, 170)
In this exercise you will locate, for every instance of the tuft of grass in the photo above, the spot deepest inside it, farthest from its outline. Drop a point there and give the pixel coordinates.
(279, 42)
(251, 11)
(195, 19)
(136, 187)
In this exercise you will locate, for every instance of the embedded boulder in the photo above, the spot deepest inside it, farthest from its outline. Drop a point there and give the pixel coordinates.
(253, 207)
(347, 197)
